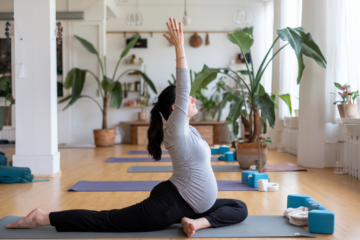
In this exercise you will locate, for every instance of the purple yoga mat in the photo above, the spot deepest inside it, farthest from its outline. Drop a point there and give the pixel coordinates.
(134, 160)
(144, 152)
(115, 186)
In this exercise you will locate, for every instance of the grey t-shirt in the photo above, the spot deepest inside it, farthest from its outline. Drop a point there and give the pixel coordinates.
(190, 153)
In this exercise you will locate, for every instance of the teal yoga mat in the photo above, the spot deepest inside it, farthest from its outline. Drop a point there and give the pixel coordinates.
(253, 226)
(216, 168)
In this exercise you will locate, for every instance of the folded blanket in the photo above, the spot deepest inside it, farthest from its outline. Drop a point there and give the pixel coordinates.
(10, 174)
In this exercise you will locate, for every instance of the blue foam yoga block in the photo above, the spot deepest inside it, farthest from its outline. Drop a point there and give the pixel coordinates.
(297, 200)
(2, 154)
(215, 150)
(3, 160)
(229, 156)
(224, 149)
(314, 205)
(321, 221)
(245, 175)
(252, 182)
(221, 158)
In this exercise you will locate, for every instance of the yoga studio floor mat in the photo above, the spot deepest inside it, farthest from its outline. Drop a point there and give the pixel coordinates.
(114, 186)
(282, 168)
(216, 168)
(146, 159)
(253, 226)
(144, 152)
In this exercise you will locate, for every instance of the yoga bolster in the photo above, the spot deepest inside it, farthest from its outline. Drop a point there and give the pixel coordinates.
(314, 205)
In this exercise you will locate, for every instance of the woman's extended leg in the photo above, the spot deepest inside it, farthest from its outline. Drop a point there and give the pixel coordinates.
(225, 212)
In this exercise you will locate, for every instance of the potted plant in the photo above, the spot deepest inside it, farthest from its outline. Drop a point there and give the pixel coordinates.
(5, 86)
(347, 109)
(260, 105)
(109, 88)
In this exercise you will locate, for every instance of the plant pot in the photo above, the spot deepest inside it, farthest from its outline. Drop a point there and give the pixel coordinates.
(142, 116)
(348, 110)
(248, 153)
(104, 137)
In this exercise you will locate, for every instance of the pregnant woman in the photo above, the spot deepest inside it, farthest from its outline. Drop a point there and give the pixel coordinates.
(188, 197)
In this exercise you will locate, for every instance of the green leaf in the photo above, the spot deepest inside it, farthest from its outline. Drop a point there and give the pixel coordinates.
(267, 107)
(234, 114)
(293, 37)
(311, 49)
(130, 45)
(249, 31)
(87, 45)
(116, 95)
(69, 78)
(261, 90)
(203, 78)
(301, 67)
(245, 72)
(9, 97)
(241, 38)
(107, 84)
(65, 99)
(287, 100)
(78, 82)
(338, 85)
(263, 121)
(227, 97)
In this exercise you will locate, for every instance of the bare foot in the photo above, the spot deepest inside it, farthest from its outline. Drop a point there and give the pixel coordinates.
(189, 226)
(35, 218)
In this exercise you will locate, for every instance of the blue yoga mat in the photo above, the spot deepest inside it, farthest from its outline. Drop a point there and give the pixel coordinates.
(144, 152)
(146, 159)
(115, 186)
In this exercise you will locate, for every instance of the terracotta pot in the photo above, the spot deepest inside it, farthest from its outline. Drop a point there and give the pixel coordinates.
(348, 110)
(248, 153)
(142, 116)
(104, 137)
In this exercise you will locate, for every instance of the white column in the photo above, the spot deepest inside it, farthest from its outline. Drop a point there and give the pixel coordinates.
(311, 136)
(35, 89)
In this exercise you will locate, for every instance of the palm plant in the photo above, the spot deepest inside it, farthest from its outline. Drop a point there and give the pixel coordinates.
(109, 88)
(252, 95)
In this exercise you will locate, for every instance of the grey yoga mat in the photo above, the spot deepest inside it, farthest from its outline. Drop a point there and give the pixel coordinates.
(145, 159)
(216, 168)
(113, 186)
(253, 226)
(144, 152)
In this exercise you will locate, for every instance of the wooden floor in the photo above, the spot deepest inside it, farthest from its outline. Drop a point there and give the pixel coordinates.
(339, 193)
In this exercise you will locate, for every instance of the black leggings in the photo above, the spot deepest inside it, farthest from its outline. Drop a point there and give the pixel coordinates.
(164, 207)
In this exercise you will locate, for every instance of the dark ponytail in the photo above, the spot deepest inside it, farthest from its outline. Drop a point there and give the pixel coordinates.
(162, 109)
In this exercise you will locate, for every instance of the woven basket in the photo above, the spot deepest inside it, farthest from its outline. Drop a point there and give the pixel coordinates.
(104, 137)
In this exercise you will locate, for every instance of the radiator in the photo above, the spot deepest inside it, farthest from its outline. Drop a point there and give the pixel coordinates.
(8, 134)
(352, 156)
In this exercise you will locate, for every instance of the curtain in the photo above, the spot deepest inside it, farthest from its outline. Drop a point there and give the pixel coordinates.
(291, 12)
(343, 51)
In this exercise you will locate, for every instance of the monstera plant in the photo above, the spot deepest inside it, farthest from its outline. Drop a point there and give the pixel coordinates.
(251, 95)
(109, 88)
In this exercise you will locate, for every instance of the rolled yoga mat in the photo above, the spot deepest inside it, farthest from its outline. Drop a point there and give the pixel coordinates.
(282, 168)
(114, 186)
(253, 226)
(216, 168)
(133, 160)
(144, 152)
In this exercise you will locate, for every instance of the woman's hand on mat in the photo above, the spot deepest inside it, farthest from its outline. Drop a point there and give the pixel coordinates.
(176, 33)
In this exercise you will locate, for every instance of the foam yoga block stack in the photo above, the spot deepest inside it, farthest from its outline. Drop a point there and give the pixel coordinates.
(245, 175)
(224, 149)
(320, 220)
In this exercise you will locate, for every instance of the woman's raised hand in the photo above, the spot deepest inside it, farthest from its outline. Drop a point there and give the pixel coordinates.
(176, 33)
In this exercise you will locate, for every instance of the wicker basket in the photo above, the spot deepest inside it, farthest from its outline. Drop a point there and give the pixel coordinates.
(104, 137)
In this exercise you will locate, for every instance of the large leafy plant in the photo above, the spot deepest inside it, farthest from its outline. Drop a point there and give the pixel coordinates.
(109, 88)
(251, 95)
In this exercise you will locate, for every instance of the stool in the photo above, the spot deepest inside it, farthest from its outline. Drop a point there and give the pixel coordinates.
(321, 221)
(215, 150)
(223, 149)
(245, 175)
(252, 182)
(229, 156)
(297, 200)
